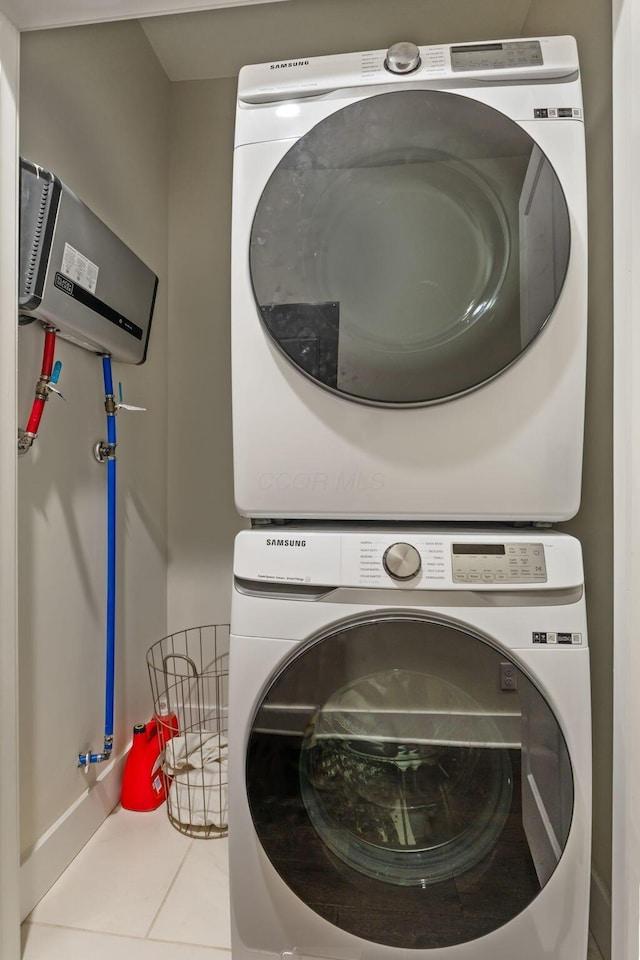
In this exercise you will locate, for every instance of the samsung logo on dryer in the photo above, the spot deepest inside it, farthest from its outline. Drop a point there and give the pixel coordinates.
(289, 63)
(286, 543)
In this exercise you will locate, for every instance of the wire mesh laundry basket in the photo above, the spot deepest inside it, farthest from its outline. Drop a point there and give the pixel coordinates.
(189, 674)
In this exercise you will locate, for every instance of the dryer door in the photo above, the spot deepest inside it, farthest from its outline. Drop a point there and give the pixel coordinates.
(409, 248)
(399, 791)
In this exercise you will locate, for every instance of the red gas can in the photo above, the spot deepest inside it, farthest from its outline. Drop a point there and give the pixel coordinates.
(142, 783)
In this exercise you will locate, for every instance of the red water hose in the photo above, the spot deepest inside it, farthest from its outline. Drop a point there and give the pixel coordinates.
(42, 392)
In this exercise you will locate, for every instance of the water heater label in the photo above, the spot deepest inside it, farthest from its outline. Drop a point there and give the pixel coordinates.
(79, 268)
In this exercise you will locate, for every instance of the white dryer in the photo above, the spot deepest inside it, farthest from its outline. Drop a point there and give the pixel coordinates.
(410, 763)
(409, 284)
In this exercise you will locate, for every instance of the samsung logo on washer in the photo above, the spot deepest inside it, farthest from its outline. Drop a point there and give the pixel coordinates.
(286, 543)
(290, 63)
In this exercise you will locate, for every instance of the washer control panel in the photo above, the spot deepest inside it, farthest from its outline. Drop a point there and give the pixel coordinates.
(510, 562)
(405, 558)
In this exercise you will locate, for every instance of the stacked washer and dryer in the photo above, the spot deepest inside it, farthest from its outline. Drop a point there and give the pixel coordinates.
(410, 762)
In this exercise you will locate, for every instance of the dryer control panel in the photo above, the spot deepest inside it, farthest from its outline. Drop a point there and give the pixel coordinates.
(504, 61)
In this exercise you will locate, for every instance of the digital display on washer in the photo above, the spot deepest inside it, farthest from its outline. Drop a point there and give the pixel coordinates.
(498, 563)
(496, 56)
(479, 549)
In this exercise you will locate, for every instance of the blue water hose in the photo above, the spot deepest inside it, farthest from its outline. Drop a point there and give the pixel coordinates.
(111, 549)
(109, 452)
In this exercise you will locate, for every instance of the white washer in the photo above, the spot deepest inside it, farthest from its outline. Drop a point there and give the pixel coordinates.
(410, 764)
(409, 284)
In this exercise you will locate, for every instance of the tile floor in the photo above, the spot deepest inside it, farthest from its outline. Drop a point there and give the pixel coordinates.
(139, 891)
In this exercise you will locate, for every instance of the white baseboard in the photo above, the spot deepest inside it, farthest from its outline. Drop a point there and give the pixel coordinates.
(600, 915)
(52, 853)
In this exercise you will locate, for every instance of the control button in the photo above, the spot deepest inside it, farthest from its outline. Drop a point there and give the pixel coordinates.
(402, 561)
(402, 57)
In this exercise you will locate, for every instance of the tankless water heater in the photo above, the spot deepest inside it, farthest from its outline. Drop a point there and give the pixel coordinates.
(77, 275)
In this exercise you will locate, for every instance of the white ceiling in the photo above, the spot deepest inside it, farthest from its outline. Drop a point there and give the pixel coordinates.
(36, 14)
(216, 43)
(204, 39)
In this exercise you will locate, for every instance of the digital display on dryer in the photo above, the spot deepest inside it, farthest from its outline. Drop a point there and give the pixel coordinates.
(496, 56)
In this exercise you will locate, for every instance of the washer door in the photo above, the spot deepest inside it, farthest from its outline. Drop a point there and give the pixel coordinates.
(399, 791)
(409, 248)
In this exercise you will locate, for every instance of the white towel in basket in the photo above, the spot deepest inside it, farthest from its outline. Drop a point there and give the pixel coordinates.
(193, 750)
(198, 797)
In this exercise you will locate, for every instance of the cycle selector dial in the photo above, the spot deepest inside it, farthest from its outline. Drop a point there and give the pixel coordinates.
(402, 561)
(402, 57)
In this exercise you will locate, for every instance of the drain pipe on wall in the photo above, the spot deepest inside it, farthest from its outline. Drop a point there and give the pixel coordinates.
(107, 452)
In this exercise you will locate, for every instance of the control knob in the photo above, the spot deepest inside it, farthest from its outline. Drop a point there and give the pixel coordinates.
(402, 561)
(402, 58)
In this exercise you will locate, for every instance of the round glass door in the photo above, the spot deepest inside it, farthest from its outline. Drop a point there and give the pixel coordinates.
(409, 248)
(400, 792)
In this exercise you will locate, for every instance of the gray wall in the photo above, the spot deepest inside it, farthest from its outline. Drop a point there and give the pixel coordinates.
(94, 109)
(202, 517)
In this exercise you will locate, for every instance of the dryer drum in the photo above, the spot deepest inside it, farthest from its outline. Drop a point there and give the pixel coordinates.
(409, 247)
(411, 798)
